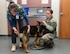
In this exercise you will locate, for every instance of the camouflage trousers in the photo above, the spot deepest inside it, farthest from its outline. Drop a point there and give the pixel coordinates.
(46, 39)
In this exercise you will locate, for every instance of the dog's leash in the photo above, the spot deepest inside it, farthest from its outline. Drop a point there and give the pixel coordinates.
(39, 48)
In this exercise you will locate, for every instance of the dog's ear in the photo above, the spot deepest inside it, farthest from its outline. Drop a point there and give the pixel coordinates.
(39, 23)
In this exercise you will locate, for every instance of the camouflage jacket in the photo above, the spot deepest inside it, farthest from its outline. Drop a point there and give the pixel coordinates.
(51, 26)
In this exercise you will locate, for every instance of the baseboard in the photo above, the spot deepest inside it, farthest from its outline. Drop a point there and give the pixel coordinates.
(10, 35)
(5, 35)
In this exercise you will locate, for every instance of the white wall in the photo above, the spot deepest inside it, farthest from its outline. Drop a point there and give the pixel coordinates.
(3, 19)
(55, 5)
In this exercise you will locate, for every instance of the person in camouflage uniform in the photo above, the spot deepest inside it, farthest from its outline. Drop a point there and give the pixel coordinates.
(50, 32)
(16, 14)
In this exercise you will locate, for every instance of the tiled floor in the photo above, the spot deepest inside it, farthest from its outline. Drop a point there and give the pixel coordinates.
(62, 46)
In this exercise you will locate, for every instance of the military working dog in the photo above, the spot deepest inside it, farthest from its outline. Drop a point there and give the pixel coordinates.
(34, 31)
(39, 30)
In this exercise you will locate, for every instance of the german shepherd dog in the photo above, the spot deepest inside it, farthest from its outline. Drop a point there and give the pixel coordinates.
(34, 30)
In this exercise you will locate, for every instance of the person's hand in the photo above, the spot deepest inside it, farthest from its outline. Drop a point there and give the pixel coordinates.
(44, 22)
(28, 30)
(15, 31)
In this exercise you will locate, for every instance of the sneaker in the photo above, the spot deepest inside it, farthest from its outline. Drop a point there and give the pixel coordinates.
(13, 49)
(20, 45)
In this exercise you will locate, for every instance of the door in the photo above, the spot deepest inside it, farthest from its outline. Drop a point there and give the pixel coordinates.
(64, 31)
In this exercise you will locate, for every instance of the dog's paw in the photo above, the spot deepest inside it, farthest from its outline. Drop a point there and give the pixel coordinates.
(20, 45)
(27, 51)
(36, 46)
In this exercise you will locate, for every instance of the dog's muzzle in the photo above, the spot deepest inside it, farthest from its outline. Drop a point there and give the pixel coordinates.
(20, 35)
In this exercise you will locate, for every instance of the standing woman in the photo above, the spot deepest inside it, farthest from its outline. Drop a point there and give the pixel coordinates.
(16, 14)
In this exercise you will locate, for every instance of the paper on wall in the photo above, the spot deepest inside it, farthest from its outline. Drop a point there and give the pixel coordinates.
(24, 1)
(44, 1)
(15, 1)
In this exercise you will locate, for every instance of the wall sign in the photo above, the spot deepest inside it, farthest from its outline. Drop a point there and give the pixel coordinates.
(44, 1)
(15, 1)
(24, 1)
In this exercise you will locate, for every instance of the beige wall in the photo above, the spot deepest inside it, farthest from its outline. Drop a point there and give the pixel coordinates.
(3, 19)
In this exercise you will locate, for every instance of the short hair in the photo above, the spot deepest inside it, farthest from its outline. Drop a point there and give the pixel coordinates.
(11, 2)
(13, 6)
(51, 11)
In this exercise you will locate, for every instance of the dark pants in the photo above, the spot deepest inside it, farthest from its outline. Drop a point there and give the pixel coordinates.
(20, 24)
